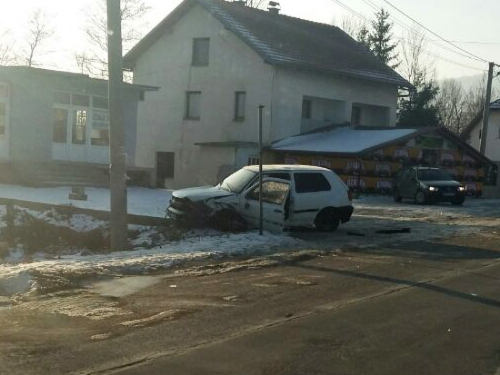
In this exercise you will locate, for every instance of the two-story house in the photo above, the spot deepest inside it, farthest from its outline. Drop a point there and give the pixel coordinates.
(216, 61)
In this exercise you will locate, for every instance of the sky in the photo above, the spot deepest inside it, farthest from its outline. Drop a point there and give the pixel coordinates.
(471, 24)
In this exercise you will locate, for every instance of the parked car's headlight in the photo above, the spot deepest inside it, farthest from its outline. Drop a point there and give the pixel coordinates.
(461, 188)
(433, 188)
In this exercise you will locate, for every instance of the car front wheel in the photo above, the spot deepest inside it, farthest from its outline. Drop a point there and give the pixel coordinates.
(420, 197)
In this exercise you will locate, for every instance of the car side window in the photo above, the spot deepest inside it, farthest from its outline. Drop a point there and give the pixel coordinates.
(311, 183)
(273, 192)
(280, 175)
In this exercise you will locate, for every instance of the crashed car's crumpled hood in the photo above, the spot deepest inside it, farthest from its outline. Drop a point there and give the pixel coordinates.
(201, 193)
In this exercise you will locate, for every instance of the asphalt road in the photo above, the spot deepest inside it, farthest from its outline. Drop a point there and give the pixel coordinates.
(420, 307)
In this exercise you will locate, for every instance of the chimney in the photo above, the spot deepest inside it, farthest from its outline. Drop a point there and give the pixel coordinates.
(274, 7)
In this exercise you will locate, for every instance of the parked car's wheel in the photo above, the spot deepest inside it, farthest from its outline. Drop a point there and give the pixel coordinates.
(420, 197)
(458, 201)
(228, 221)
(397, 196)
(327, 221)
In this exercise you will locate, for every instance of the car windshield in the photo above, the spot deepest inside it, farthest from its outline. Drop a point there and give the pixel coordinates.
(433, 175)
(238, 180)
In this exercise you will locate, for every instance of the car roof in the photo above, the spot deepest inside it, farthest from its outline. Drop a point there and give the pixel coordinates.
(286, 167)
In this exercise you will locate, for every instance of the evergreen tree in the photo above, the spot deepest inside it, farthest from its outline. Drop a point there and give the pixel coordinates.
(420, 110)
(379, 39)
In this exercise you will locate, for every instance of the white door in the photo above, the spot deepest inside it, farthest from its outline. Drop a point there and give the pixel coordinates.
(71, 139)
(79, 133)
(274, 198)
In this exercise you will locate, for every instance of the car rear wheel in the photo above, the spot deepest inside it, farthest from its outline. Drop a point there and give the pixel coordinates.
(420, 197)
(327, 221)
(397, 196)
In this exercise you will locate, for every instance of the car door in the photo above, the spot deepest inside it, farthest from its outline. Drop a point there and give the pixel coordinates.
(275, 193)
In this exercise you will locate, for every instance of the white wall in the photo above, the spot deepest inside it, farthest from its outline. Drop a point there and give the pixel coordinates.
(291, 86)
(233, 67)
(493, 142)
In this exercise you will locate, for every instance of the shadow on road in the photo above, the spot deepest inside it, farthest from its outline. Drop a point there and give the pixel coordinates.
(432, 251)
(410, 283)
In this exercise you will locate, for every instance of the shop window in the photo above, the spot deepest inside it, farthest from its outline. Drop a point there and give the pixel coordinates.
(79, 127)
(100, 127)
(60, 125)
(80, 100)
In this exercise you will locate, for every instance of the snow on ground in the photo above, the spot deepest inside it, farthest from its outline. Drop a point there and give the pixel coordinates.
(141, 201)
(21, 277)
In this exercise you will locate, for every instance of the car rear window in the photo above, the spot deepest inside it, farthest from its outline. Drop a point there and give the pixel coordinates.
(311, 183)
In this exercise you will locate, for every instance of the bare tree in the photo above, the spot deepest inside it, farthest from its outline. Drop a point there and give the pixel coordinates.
(255, 3)
(6, 49)
(451, 105)
(95, 60)
(415, 65)
(38, 33)
(352, 26)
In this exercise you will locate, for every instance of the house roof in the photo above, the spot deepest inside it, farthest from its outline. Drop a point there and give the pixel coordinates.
(495, 105)
(7, 71)
(284, 41)
(350, 141)
(342, 140)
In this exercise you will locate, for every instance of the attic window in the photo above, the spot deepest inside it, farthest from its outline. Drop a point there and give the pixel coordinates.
(201, 51)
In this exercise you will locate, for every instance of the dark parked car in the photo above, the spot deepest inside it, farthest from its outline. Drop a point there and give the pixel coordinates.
(427, 185)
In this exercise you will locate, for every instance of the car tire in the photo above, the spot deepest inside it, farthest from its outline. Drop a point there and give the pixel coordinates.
(420, 197)
(327, 221)
(458, 201)
(397, 196)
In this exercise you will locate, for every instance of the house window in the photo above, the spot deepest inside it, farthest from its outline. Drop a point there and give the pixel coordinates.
(60, 127)
(356, 116)
(306, 109)
(201, 51)
(79, 127)
(253, 160)
(193, 103)
(239, 105)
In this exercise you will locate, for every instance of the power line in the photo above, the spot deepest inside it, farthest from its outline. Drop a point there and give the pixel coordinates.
(433, 33)
(352, 11)
(411, 29)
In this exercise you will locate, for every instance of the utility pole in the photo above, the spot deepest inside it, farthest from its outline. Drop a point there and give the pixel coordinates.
(261, 213)
(486, 111)
(118, 167)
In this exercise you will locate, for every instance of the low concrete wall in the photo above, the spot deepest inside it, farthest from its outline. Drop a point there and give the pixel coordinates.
(102, 215)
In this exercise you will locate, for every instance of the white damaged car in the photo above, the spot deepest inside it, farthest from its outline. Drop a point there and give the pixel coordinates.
(292, 196)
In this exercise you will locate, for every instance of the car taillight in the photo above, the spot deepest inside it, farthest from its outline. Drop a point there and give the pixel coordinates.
(349, 194)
